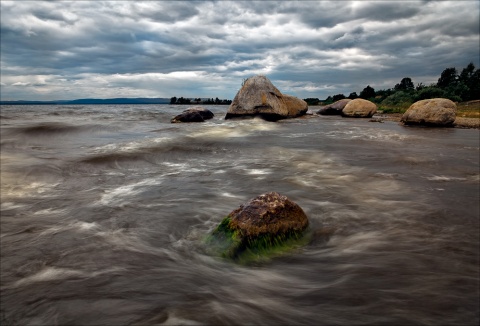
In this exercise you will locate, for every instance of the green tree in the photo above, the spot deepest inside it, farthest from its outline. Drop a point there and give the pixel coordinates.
(406, 84)
(338, 97)
(353, 95)
(399, 99)
(367, 93)
(470, 78)
(311, 100)
(173, 100)
(429, 92)
(448, 78)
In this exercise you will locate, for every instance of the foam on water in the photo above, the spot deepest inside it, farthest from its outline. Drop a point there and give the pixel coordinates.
(444, 178)
(122, 195)
(235, 129)
(59, 274)
(33, 189)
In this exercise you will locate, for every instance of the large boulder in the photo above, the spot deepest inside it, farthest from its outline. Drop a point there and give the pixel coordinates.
(437, 112)
(359, 108)
(263, 222)
(334, 108)
(193, 114)
(258, 97)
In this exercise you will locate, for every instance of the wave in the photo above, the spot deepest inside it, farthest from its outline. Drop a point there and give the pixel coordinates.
(152, 151)
(54, 129)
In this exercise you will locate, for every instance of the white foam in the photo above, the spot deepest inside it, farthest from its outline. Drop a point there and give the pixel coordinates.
(234, 129)
(444, 178)
(78, 226)
(56, 274)
(259, 171)
(122, 194)
(37, 189)
(50, 211)
(128, 147)
(10, 205)
(229, 195)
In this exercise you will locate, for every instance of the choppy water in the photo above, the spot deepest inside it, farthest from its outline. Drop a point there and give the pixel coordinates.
(104, 208)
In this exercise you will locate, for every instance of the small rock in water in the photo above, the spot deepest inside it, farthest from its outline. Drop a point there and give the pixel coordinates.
(265, 222)
(193, 114)
(334, 108)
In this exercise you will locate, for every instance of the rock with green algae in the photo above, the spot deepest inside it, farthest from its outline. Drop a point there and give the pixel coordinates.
(265, 225)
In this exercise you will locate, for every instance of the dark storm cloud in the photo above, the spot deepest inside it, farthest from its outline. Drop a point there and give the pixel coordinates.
(53, 49)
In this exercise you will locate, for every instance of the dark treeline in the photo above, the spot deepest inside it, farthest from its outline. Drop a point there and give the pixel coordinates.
(452, 85)
(216, 101)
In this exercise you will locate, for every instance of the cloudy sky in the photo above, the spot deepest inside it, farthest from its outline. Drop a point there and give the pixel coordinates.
(103, 49)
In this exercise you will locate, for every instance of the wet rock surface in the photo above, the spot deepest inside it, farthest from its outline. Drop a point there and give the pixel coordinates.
(263, 222)
(193, 114)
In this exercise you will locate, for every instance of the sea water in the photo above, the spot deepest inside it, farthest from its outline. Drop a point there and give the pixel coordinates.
(104, 210)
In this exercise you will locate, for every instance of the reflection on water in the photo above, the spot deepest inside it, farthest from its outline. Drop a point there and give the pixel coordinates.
(104, 209)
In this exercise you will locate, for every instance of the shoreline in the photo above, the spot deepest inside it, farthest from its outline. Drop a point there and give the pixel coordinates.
(460, 122)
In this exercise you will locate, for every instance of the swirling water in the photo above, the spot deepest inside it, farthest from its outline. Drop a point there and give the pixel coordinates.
(104, 209)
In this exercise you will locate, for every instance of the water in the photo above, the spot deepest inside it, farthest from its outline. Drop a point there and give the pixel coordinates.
(104, 208)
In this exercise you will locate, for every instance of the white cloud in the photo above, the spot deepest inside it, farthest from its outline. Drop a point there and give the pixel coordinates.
(182, 48)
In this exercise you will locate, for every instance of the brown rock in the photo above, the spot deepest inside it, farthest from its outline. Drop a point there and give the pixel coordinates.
(259, 97)
(268, 213)
(334, 108)
(437, 112)
(262, 224)
(193, 114)
(359, 108)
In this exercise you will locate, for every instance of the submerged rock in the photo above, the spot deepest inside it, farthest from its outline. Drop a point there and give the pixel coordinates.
(258, 97)
(436, 112)
(266, 221)
(334, 108)
(359, 108)
(193, 114)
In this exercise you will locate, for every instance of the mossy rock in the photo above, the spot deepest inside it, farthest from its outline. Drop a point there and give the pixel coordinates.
(267, 225)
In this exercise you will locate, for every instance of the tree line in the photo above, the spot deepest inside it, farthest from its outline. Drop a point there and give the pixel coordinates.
(209, 101)
(452, 85)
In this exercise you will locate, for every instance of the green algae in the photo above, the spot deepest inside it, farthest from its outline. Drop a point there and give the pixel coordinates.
(232, 244)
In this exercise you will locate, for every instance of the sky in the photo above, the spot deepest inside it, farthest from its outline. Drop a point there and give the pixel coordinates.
(59, 50)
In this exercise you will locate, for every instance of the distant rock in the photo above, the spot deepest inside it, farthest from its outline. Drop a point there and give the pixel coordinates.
(436, 112)
(264, 222)
(334, 108)
(258, 97)
(193, 114)
(359, 108)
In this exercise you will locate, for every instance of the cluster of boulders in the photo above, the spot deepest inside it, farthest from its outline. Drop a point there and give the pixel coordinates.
(272, 220)
(357, 108)
(258, 97)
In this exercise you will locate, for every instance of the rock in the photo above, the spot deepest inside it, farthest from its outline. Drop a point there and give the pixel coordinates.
(437, 112)
(334, 108)
(193, 114)
(264, 222)
(359, 108)
(258, 97)
(296, 107)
